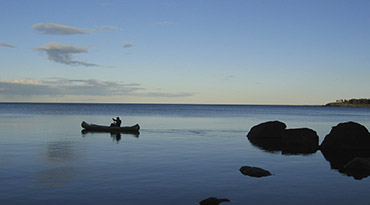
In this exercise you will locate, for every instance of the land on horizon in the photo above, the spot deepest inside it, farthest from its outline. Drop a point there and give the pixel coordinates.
(362, 102)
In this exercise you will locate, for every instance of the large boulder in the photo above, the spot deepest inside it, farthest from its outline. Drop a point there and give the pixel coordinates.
(347, 137)
(301, 140)
(267, 130)
(344, 146)
(267, 135)
(273, 136)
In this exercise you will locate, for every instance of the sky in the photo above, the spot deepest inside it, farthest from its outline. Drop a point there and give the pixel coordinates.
(274, 52)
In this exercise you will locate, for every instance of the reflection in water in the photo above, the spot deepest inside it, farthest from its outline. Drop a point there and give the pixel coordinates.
(115, 136)
(136, 133)
(277, 146)
(60, 156)
(55, 177)
(339, 160)
(271, 145)
(60, 151)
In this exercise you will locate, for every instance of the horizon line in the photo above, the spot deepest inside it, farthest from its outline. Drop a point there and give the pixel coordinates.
(156, 103)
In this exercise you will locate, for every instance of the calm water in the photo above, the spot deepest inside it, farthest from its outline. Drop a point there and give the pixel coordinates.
(184, 154)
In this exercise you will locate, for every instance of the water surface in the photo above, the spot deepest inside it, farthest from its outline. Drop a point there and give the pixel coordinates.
(184, 154)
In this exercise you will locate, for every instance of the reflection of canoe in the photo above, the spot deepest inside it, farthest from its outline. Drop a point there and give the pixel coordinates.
(102, 128)
(112, 133)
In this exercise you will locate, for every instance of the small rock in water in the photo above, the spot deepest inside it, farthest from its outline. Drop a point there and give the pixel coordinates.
(254, 171)
(213, 201)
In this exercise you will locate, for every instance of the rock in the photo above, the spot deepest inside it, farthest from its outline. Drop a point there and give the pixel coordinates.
(348, 136)
(213, 201)
(302, 140)
(359, 163)
(254, 171)
(345, 147)
(268, 145)
(267, 130)
(273, 136)
(359, 168)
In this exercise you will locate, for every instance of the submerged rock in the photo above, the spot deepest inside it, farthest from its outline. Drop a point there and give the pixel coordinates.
(254, 171)
(213, 201)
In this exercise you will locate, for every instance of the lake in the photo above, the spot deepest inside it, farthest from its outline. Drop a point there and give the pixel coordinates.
(183, 154)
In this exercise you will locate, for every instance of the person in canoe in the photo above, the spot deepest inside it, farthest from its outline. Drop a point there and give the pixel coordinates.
(116, 122)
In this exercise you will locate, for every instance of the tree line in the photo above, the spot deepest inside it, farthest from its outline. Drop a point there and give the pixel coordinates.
(351, 102)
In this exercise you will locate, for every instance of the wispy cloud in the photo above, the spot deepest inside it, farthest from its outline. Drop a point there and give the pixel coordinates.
(229, 77)
(63, 54)
(59, 87)
(6, 45)
(59, 29)
(127, 44)
(62, 87)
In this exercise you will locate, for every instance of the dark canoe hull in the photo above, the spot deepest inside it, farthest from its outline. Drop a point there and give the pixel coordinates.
(102, 128)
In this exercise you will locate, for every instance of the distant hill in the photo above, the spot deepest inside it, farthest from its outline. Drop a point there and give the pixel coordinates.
(363, 102)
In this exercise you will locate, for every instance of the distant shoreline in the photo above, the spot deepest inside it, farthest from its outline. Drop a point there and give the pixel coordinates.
(346, 105)
(360, 103)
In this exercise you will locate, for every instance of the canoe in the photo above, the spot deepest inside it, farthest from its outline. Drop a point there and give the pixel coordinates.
(102, 128)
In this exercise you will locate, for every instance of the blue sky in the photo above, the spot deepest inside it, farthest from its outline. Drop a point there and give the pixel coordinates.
(194, 51)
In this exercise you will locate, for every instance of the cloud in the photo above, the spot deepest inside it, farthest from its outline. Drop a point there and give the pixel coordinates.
(229, 77)
(127, 44)
(63, 53)
(106, 28)
(6, 45)
(59, 29)
(62, 87)
(59, 87)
